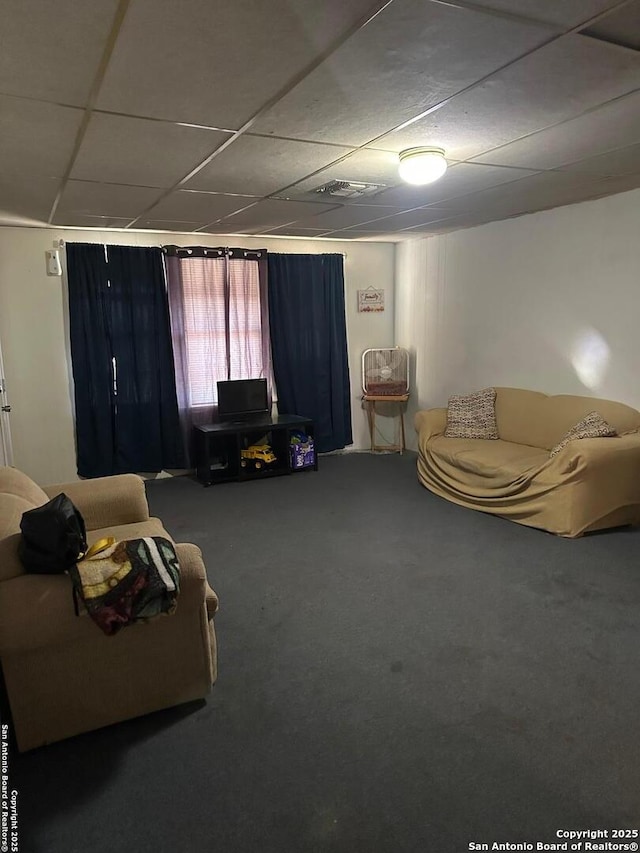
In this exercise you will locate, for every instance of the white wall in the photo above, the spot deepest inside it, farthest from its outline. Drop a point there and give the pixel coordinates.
(549, 301)
(34, 331)
(418, 319)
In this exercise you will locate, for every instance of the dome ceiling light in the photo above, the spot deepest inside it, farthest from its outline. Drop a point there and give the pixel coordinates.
(422, 165)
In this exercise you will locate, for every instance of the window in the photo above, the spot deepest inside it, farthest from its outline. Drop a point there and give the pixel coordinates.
(219, 328)
(204, 331)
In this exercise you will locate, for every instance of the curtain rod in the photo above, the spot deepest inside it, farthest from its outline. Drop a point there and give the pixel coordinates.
(206, 250)
(213, 252)
(220, 251)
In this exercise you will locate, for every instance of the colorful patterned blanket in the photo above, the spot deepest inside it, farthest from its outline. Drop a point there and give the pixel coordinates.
(120, 583)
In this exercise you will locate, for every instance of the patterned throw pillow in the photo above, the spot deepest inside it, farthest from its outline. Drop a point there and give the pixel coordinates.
(472, 415)
(592, 425)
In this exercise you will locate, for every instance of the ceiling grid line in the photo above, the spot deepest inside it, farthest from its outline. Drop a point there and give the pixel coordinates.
(118, 18)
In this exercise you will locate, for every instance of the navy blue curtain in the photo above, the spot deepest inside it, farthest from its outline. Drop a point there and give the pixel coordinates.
(309, 343)
(122, 361)
(91, 356)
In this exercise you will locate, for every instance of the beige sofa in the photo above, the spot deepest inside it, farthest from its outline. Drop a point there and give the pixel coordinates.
(63, 675)
(591, 484)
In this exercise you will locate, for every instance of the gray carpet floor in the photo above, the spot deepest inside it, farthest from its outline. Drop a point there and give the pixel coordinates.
(397, 675)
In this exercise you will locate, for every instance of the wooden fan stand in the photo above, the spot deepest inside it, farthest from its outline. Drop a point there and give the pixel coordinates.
(370, 403)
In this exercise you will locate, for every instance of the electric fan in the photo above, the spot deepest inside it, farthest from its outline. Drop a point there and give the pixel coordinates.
(385, 372)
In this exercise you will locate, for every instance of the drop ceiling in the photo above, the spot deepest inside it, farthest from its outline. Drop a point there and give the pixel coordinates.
(226, 118)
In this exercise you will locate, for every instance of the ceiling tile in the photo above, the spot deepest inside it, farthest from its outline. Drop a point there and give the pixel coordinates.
(408, 219)
(52, 50)
(294, 231)
(448, 226)
(616, 184)
(190, 206)
(345, 217)
(624, 161)
(469, 220)
(533, 201)
(360, 235)
(458, 180)
(541, 184)
(164, 225)
(542, 191)
(412, 55)
(221, 228)
(557, 82)
(141, 152)
(568, 13)
(217, 65)
(614, 125)
(620, 27)
(80, 220)
(440, 226)
(106, 199)
(272, 212)
(23, 127)
(26, 195)
(265, 164)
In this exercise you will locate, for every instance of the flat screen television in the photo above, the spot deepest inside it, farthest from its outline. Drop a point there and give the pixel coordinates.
(242, 399)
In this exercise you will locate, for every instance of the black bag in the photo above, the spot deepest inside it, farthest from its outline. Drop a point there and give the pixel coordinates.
(53, 537)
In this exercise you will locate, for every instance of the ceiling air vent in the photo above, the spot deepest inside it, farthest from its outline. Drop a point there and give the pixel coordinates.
(349, 189)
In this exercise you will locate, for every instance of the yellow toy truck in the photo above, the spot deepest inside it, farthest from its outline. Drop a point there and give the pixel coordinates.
(259, 454)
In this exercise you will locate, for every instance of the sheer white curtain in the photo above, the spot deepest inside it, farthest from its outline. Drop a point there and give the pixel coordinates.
(246, 352)
(219, 322)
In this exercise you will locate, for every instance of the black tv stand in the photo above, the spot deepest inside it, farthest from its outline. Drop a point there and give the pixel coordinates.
(218, 448)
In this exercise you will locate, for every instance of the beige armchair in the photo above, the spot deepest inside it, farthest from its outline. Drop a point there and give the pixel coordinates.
(63, 675)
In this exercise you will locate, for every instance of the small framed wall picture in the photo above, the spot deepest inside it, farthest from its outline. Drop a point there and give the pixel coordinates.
(370, 299)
